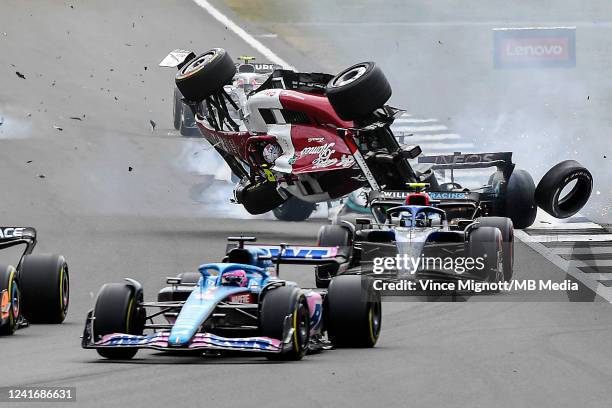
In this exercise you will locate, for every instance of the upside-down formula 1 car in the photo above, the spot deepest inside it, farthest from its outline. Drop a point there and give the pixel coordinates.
(238, 305)
(37, 290)
(318, 137)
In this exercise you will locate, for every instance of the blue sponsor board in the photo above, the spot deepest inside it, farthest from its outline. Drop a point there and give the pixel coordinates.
(539, 47)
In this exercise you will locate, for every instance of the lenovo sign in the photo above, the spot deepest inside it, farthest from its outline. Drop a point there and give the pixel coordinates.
(534, 47)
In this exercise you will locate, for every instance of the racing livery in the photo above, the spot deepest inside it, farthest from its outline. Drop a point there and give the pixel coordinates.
(239, 304)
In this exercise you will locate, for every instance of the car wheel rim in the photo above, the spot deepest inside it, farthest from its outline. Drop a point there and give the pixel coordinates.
(374, 320)
(350, 76)
(15, 300)
(198, 63)
(65, 292)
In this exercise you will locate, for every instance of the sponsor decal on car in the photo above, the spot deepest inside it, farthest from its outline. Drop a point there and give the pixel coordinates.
(535, 47)
(11, 232)
(435, 195)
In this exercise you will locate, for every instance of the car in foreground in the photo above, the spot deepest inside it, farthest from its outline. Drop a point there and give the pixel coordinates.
(238, 305)
(37, 290)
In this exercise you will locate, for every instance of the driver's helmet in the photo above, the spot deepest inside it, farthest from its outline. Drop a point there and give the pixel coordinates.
(421, 220)
(234, 278)
(405, 219)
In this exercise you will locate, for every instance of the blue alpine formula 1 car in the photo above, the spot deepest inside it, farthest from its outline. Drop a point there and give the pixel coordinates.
(239, 304)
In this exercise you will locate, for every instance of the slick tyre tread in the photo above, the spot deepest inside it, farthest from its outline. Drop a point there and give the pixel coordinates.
(358, 91)
(506, 228)
(330, 235)
(519, 202)
(115, 311)
(486, 242)
(177, 110)
(205, 74)
(294, 209)
(9, 291)
(45, 289)
(548, 192)
(276, 305)
(352, 321)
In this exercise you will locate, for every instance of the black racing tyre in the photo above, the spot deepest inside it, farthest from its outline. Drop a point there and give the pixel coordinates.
(519, 201)
(485, 243)
(45, 288)
(548, 193)
(353, 317)
(358, 91)
(189, 278)
(205, 74)
(177, 108)
(259, 198)
(294, 209)
(277, 304)
(330, 235)
(10, 300)
(506, 228)
(116, 311)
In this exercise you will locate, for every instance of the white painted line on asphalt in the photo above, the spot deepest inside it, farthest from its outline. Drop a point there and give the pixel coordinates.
(240, 32)
(582, 251)
(589, 262)
(565, 225)
(567, 238)
(413, 120)
(601, 290)
(416, 129)
(434, 137)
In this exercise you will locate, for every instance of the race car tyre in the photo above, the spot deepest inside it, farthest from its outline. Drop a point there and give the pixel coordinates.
(507, 231)
(259, 198)
(329, 236)
(205, 74)
(519, 202)
(177, 109)
(277, 304)
(548, 193)
(45, 288)
(358, 91)
(485, 243)
(294, 209)
(10, 300)
(116, 311)
(353, 313)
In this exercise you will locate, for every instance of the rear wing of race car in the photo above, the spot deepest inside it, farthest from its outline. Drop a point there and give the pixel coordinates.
(458, 160)
(12, 236)
(292, 254)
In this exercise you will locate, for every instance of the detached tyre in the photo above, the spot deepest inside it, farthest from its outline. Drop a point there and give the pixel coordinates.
(358, 91)
(549, 190)
(353, 312)
(205, 74)
(45, 288)
(330, 236)
(506, 228)
(294, 209)
(9, 300)
(276, 306)
(519, 202)
(116, 311)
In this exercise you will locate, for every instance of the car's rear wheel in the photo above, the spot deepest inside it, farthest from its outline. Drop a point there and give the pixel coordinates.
(9, 300)
(358, 91)
(117, 311)
(276, 306)
(330, 236)
(506, 228)
(205, 75)
(45, 288)
(353, 312)
(519, 202)
(294, 209)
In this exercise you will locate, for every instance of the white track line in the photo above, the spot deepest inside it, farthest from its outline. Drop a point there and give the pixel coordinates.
(412, 120)
(240, 32)
(566, 238)
(416, 129)
(594, 249)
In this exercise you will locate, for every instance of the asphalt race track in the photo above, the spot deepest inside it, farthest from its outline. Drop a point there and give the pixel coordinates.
(121, 198)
